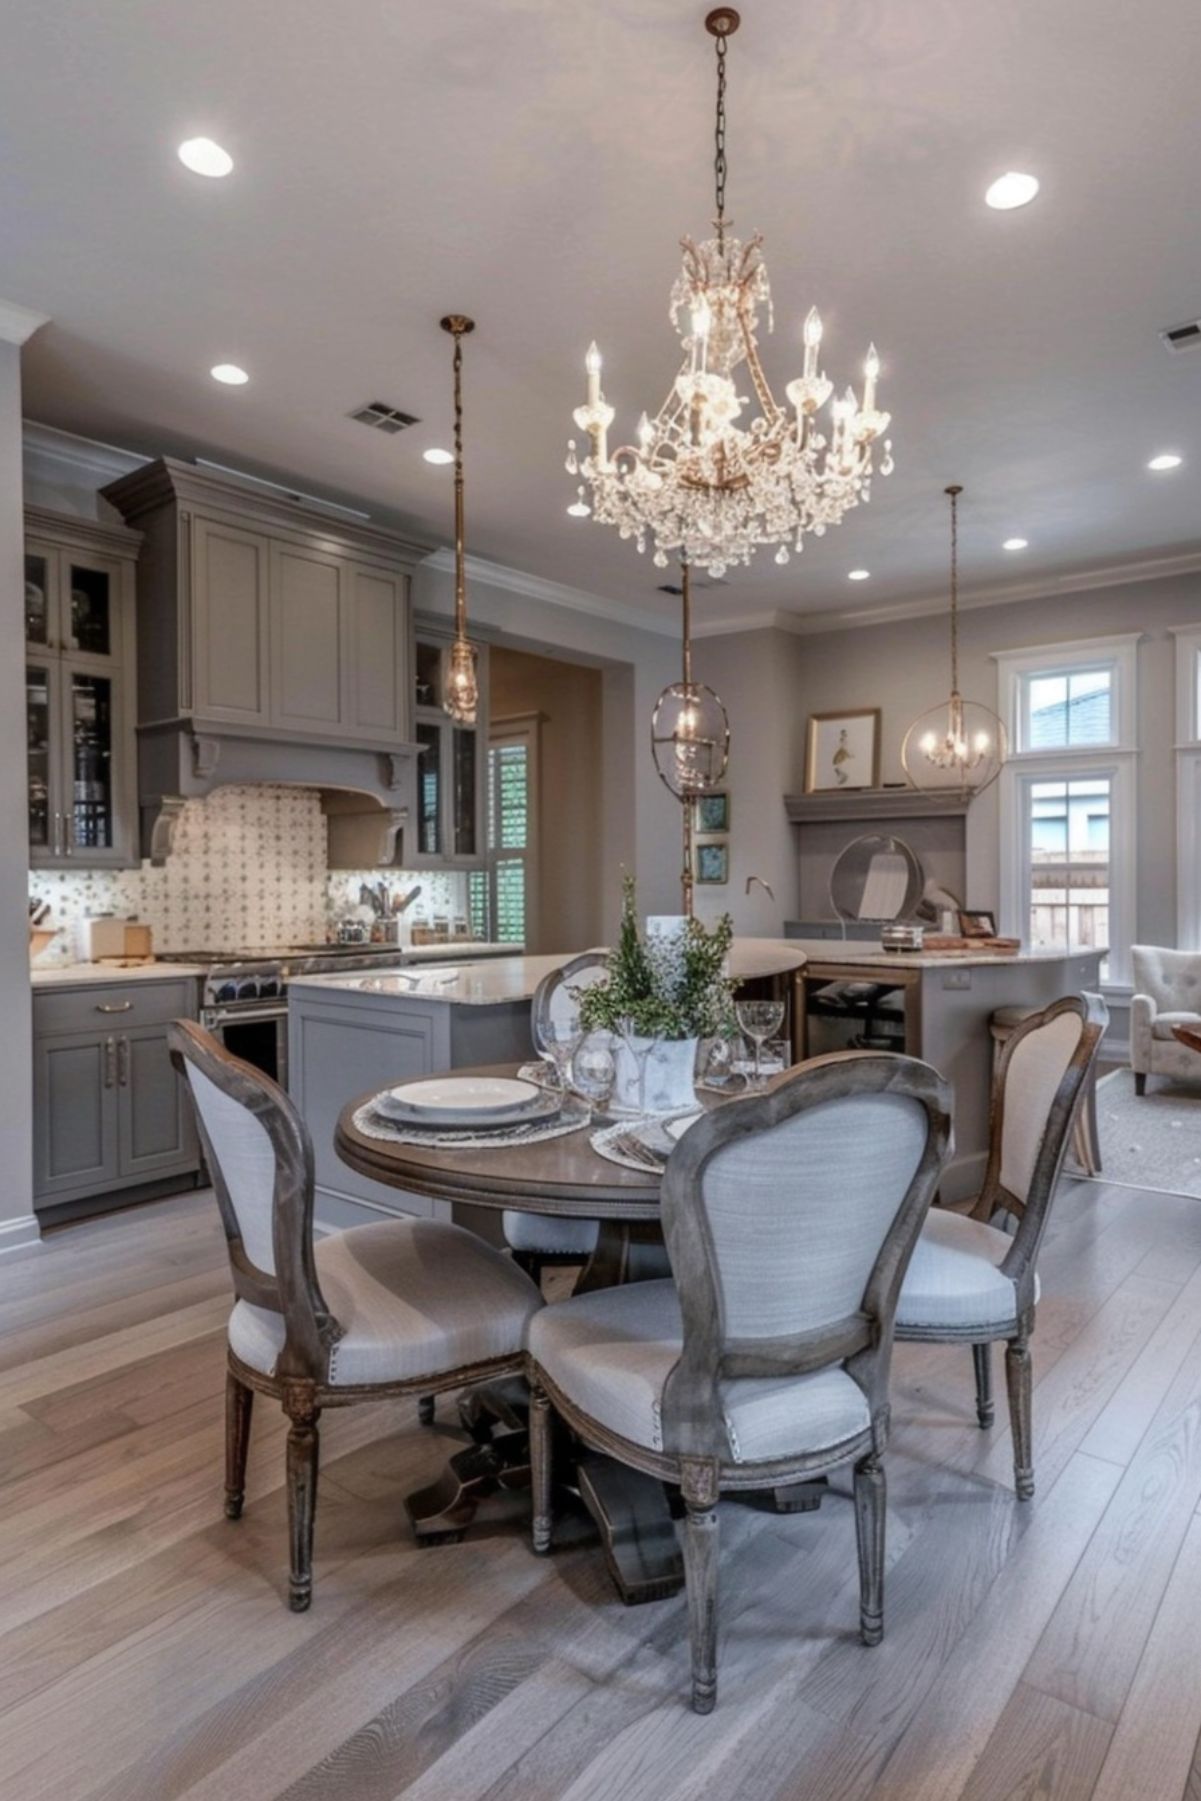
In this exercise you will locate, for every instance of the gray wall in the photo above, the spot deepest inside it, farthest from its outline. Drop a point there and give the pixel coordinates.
(772, 681)
(640, 823)
(568, 698)
(17, 1225)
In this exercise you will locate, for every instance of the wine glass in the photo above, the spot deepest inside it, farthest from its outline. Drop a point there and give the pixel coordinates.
(558, 1042)
(759, 1019)
(594, 1071)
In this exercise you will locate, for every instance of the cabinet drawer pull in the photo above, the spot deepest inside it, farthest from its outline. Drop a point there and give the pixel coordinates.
(114, 1006)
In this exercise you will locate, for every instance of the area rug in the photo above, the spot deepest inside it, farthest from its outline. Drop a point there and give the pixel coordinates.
(1153, 1140)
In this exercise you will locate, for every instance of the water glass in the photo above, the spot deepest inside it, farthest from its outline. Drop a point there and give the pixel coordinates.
(558, 1042)
(759, 1020)
(594, 1071)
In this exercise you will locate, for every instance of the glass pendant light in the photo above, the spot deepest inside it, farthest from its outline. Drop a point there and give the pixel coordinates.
(959, 745)
(461, 696)
(690, 737)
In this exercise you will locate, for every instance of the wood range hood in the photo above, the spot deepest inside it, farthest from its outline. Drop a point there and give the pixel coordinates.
(273, 647)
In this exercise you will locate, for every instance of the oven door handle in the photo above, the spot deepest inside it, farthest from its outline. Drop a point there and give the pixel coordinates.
(213, 1018)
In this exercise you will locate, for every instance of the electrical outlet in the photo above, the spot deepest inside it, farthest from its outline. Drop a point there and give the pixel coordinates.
(956, 978)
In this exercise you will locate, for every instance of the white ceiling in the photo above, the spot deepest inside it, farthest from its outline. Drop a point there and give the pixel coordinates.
(533, 162)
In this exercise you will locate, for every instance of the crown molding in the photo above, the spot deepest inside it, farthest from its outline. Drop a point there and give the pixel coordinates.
(18, 323)
(1111, 575)
(554, 594)
(86, 460)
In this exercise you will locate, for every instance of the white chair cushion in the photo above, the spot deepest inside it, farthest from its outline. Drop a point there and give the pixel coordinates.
(611, 1352)
(954, 1277)
(415, 1298)
(543, 1234)
(1161, 1025)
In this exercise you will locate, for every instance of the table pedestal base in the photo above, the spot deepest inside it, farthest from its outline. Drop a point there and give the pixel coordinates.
(637, 1532)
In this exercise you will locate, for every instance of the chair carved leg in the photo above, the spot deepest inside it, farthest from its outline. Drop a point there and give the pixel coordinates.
(239, 1401)
(1140, 1082)
(425, 1410)
(1019, 1381)
(302, 1493)
(700, 1576)
(871, 1495)
(541, 1469)
(982, 1358)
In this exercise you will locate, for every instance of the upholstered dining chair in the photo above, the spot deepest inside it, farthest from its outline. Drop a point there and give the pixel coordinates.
(538, 1241)
(408, 1306)
(789, 1218)
(972, 1281)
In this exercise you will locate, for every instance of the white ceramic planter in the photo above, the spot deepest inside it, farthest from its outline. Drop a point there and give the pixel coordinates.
(670, 1075)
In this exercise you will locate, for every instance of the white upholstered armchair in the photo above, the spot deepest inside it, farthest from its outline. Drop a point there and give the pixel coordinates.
(1167, 993)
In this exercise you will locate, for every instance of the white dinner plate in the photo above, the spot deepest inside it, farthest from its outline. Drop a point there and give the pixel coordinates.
(676, 1128)
(464, 1101)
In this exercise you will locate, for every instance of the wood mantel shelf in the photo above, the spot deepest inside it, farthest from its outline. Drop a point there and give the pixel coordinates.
(873, 803)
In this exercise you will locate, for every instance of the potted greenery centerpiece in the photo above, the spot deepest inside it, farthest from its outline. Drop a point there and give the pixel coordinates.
(662, 994)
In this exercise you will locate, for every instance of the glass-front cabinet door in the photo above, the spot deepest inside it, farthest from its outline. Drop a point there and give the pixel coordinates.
(79, 692)
(448, 826)
(45, 806)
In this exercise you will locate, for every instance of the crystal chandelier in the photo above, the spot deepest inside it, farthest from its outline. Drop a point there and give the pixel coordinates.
(706, 478)
(959, 744)
(690, 737)
(461, 697)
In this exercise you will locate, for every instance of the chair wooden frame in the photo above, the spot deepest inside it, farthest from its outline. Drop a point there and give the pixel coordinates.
(699, 1457)
(1031, 1216)
(301, 1382)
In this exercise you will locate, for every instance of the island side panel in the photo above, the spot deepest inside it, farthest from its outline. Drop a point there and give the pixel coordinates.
(957, 1003)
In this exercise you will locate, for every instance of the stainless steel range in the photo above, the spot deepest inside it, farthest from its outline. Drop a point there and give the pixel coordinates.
(243, 997)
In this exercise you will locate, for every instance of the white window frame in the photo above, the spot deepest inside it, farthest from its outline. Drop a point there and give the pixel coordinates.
(1188, 786)
(1117, 760)
(522, 728)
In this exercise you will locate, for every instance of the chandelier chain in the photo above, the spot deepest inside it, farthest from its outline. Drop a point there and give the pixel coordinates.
(719, 138)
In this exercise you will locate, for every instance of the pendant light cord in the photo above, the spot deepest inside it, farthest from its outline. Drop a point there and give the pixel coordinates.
(460, 582)
(719, 139)
(954, 492)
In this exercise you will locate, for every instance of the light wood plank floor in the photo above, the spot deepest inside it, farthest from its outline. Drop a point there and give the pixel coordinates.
(145, 1653)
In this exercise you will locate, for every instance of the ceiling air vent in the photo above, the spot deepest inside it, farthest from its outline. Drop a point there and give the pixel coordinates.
(383, 418)
(1183, 337)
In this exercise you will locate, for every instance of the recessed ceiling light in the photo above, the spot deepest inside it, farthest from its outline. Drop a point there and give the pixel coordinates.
(1167, 459)
(579, 509)
(858, 575)
(230, 374)
(203, 157)
(434, 455)
(1015, 544)
(1010, 190)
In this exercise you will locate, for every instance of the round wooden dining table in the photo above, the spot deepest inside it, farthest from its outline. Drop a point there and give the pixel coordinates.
(565, 1177)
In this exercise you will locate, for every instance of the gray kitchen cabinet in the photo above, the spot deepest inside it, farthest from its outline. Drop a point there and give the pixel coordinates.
(230, 569)
(79, 634)
(110, 1114)
(155, 1131)
(308, 681)
(258, 616)
(75, 1114)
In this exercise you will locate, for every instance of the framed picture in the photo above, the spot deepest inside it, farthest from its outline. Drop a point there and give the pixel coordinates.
(711, 812)
(713, 863)
(976, 922)
(842, 750)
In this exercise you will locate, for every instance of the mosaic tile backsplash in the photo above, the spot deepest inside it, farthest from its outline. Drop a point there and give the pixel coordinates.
(248, 869)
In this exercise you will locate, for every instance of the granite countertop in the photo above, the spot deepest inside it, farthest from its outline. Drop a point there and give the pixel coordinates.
(870, 956)
(87, 975)
(515, 978)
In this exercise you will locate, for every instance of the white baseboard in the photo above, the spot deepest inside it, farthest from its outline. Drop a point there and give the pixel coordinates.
(20, 1235)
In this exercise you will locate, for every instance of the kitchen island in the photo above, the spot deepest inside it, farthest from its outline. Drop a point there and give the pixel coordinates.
(348, 1033)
